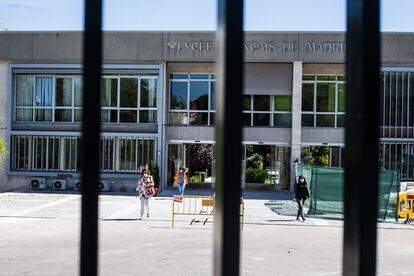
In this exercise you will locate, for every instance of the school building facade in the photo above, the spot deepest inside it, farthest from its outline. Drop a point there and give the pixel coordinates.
(158, 104)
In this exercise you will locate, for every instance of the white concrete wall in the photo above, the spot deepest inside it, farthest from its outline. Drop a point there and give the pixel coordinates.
(296, 119)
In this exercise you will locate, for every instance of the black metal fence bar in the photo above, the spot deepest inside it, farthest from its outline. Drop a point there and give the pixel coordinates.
(92, 54)
(228, 137)
(361, 152)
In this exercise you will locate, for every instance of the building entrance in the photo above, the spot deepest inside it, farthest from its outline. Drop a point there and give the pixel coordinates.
(198, 158)
(266, 167)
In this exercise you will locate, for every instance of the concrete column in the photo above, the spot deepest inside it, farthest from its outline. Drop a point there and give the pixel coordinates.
(3, 120)
(296, 119)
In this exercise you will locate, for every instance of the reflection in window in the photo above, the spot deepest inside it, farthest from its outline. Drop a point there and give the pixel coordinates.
(265, 110)
(179, 95)
(323, 101)
(199, 95)
(192, 99)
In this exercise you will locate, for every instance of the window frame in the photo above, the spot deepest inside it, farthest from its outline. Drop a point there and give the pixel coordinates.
(314, 112)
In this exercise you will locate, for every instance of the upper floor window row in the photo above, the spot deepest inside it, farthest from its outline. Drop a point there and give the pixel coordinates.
(58, 98)
(323, 100)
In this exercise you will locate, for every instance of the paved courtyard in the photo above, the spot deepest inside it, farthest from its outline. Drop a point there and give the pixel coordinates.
(39, 235)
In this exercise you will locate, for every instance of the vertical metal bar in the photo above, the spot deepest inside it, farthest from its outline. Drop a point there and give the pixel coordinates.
(361, 152)
(228, 137)
(92, 55)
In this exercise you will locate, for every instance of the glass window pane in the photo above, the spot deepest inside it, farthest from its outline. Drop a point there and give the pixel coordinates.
(63, 92)
(78, 91)
(307, 97)
(340, 120)
(323, 120)
(24, 90)
(341, 97)
(178, 95)
(283, 103)
(246, 102)
(148, 93)
(198, 118)
(128, 116)
(129, 92)
(213, 95)
(148, 116)
(246, 119)
(325, 78)
(261, 119)
(109, 92)
(282, 120)
(179, 76)
(198, 76)
(212, 118)
(63, 115)
(199, 95)
(24, 114)
(341, 78)
(43, 115)
(261, 103)
(308, 77)
(109, 115)
(178, 118)
(325, 101)
(44, 90)
(307, 120)
(78, 115)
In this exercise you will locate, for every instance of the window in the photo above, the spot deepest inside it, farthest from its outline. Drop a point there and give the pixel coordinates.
(192, 99)
(396, 103)
(265, 110)
(332, 156)
(323, 101)
(58, 98)
(63, 153)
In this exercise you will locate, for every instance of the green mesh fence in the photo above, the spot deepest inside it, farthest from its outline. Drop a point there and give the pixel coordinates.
(326, 189)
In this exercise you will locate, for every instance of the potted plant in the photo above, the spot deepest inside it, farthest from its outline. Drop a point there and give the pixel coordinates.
(155, 172)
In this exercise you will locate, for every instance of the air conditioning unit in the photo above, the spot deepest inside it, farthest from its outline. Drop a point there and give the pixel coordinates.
(77, 185)
(105, 186)
(38, 183)
(59, 184)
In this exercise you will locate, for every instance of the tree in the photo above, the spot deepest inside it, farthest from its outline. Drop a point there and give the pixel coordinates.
(319, 156)
(155, 172)
(3, 150)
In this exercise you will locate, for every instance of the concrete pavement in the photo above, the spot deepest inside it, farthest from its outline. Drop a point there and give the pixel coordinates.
(40, 236)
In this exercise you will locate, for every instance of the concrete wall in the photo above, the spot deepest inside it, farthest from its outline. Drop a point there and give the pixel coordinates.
(323, 135)
(3, 118)
(141, 47)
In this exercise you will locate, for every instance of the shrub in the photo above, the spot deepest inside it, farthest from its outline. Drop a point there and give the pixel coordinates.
(155, 172)
(3, 150)
(254, 175)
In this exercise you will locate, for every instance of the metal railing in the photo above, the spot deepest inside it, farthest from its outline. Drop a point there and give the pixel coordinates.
(362, 68)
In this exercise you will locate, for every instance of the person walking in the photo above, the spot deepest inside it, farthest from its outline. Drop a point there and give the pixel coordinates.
(181, 179)
(144, 189)
(301, 194)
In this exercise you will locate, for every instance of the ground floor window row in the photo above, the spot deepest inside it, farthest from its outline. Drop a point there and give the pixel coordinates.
(264, 165)
(397, 156)
(63, 153)
(397, 104)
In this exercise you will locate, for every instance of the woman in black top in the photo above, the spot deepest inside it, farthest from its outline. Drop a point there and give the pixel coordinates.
(301, 194)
